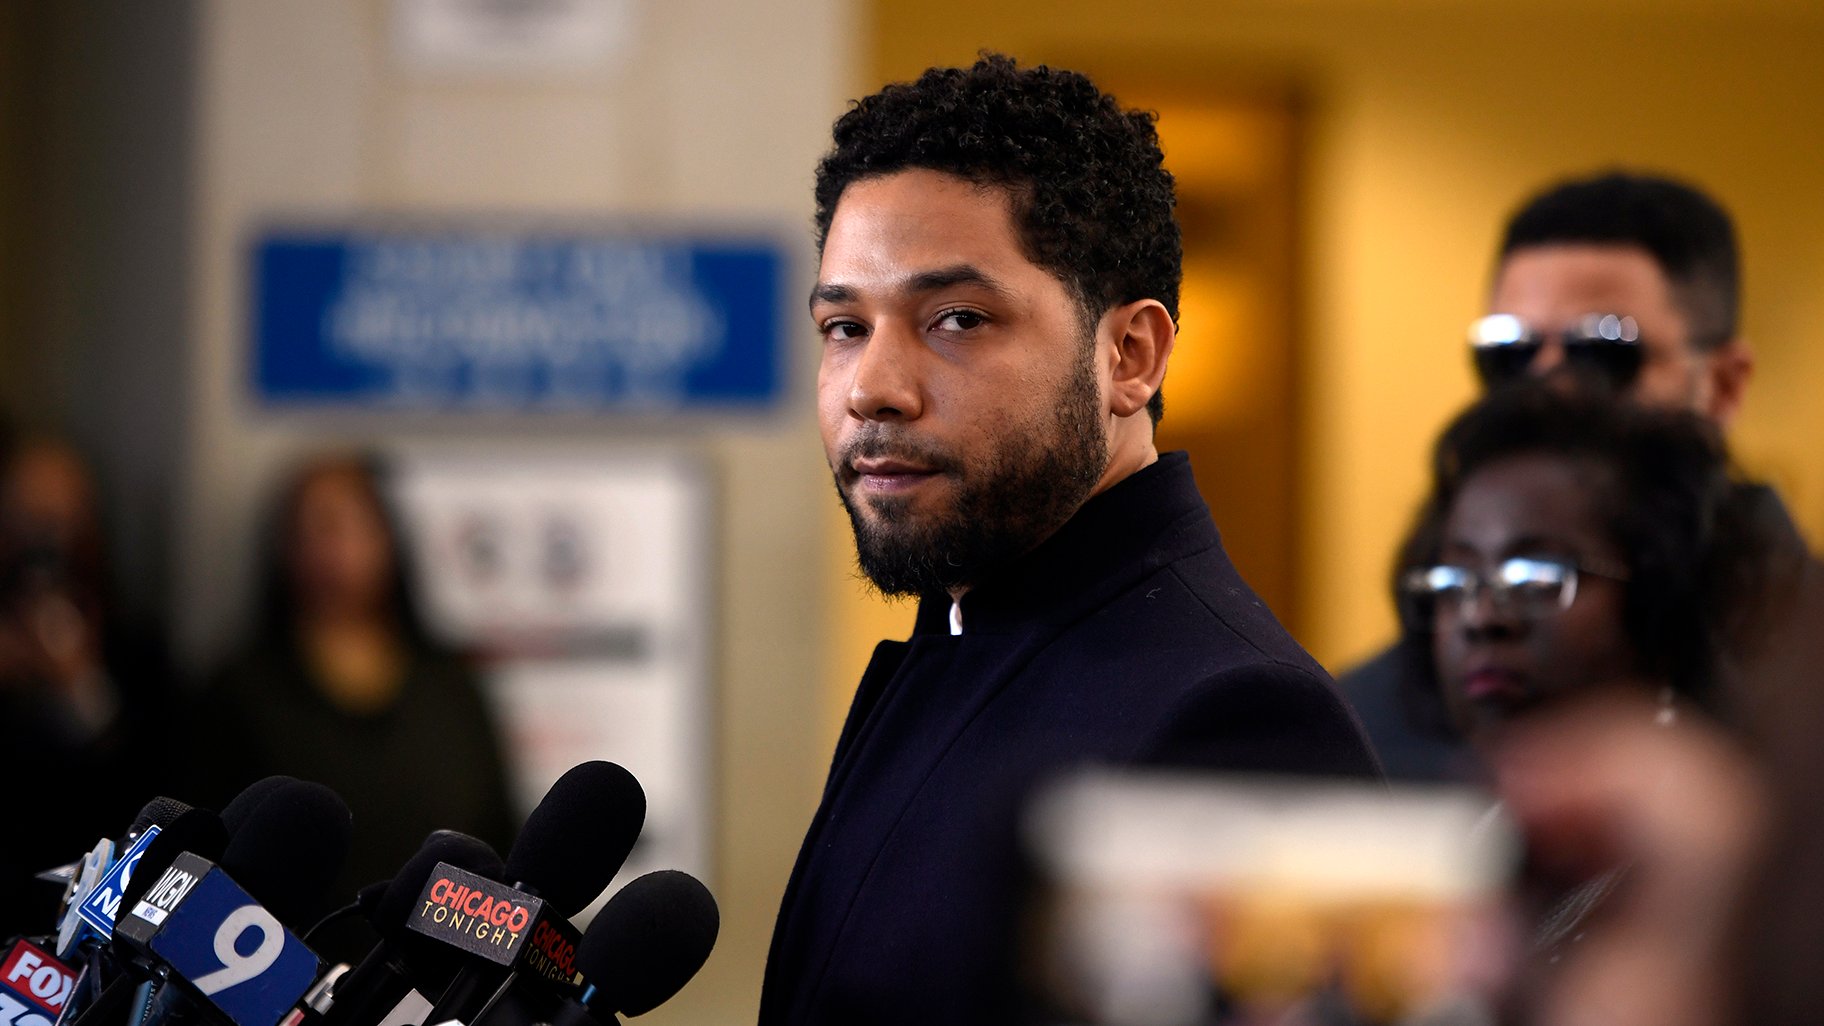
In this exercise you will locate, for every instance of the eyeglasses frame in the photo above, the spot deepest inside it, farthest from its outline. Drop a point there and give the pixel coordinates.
(1415, 584)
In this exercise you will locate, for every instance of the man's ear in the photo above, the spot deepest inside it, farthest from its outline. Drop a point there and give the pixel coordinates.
(1143, 335)
(1728, 368)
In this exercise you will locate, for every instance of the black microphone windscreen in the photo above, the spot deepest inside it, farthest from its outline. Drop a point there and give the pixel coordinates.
(368, 899)
(235, 813)
(194, 830)
(431, 964)
(648, 941)
(290, 846)
(396, 905)
(158, 812)
(577, 838)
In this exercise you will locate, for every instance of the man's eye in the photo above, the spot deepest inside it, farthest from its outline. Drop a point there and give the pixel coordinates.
(843, 331)
(960, 320)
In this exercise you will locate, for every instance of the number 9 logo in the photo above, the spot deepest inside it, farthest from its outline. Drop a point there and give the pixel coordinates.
(236, 967)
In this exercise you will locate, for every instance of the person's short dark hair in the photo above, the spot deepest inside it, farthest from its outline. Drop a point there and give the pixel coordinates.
(1688, 235)
(1092, 199)
(1666, 497)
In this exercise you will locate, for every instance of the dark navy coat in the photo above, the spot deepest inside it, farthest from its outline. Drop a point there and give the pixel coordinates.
(1125, 637)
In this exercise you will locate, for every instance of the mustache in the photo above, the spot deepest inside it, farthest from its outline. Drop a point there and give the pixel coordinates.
(880, 441)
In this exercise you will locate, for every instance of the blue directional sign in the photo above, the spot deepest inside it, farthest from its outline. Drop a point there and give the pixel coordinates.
(479, 320)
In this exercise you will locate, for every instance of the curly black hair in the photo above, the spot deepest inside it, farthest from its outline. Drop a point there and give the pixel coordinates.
(1693, 539)
(1091, 196)
(1687, 233)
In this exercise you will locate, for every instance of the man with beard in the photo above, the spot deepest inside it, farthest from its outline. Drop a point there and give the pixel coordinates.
(997, 300)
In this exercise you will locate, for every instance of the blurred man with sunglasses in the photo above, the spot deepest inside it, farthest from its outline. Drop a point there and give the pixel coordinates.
(1629, 278)
(1629, 283)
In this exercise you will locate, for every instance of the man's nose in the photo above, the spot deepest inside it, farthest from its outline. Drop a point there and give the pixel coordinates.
(1549, 358)
(886, 383)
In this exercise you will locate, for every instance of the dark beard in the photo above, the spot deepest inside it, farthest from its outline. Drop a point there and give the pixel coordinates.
(1010, 500)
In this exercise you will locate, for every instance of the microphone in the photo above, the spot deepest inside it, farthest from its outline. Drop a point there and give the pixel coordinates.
(596, 809)
(94, 902)
(186, 913)
(287, 845)
(404, 960)
(241, 807)
(154, 812)
(95, 897)
(35, 986)
(193, 830)
(198, 831)
(84, 877)
(647, 943)
(194, 923)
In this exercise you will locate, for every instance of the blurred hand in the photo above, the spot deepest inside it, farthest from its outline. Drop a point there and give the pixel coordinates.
(1601, 786)
(50, 652)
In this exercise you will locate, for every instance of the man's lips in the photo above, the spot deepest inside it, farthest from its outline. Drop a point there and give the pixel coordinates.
(888, 474)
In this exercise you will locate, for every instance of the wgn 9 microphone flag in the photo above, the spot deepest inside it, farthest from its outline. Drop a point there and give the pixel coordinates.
(222, 943)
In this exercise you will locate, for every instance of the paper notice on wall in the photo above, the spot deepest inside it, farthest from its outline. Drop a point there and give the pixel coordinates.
(583, 582)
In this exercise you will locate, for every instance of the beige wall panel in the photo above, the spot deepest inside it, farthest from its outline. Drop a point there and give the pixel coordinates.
(718, 108)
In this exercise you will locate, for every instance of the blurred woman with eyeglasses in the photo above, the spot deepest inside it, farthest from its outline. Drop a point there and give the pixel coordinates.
(1576, 547)
(1572, 543)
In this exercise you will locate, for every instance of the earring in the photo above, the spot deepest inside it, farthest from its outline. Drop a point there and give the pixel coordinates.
(1668, 713)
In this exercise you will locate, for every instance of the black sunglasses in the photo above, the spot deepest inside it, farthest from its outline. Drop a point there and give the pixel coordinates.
(1605, 346)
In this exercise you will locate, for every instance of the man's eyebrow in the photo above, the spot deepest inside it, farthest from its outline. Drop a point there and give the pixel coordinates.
(957, 274)
(830, 293)
(923, 281)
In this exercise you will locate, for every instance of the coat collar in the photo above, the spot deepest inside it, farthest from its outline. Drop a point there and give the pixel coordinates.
(1143, 522)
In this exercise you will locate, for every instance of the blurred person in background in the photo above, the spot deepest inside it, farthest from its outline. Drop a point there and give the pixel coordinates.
(1649, 249)
(1629, 283)
(341, 683)
(1721, 831)
(1572, 546)
(83, 699)
(1571, 543)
